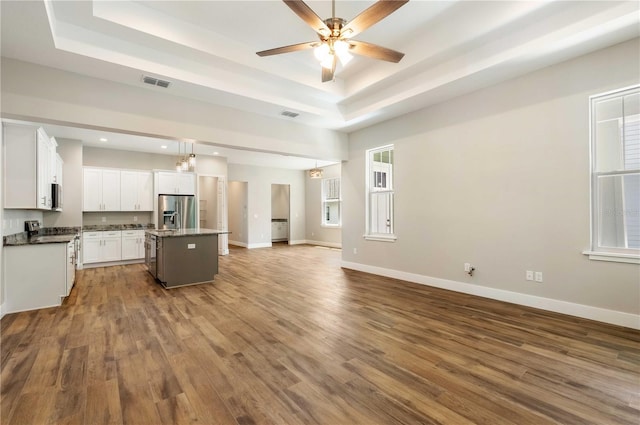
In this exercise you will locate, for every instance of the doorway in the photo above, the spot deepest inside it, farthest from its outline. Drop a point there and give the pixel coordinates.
(280, 207)
(238, 215)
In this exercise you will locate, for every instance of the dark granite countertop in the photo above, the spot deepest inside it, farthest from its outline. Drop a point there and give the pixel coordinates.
(45, 236)
(171, 233)
(111, 227)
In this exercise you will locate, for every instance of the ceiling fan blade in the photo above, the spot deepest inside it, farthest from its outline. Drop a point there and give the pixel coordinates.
(374, 51)
(372, 15)
(308, 15)
(287, 49)
(327, 74)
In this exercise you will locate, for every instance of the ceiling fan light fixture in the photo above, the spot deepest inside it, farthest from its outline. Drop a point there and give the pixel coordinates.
(322, 51)
(328, 61)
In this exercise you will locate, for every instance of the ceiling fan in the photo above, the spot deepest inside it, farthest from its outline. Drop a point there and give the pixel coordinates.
(335, 35)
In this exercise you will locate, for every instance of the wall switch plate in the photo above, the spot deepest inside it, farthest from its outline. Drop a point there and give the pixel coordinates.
(529, 275)
(355, 250)
(467, 267)
(191, 246)
(538, 276)
(104, 219)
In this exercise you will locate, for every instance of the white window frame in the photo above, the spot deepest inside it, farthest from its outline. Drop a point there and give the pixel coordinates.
(324, 200)
(597, 252)
(369, 234)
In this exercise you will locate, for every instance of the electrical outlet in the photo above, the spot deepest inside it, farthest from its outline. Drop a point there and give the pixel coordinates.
(538, 276)
(355, 250)
(529, 275)
(104, 219)
(467, 267)
(135, 218)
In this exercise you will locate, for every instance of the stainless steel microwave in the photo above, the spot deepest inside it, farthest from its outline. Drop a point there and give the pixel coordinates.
(56, 196)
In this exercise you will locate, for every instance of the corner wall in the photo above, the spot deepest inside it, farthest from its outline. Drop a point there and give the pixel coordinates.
(316, 233)
(500, 178)
(259, 181)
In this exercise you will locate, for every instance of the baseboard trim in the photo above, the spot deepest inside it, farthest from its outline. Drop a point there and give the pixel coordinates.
(236, 243)
(564, 307)
(298, 242)
(327, 244)
(259, 245)
(112, 263)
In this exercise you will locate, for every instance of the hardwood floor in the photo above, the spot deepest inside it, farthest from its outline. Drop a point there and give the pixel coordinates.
(285, 336)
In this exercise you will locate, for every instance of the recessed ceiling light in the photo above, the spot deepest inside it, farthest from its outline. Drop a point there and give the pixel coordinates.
(102, 139)
(163, 146)
(216, 153)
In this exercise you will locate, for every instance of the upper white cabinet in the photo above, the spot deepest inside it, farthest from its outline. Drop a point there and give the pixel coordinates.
(27, 167)
(101, 189)
(136, 190)
(176, 183)
(59, 165)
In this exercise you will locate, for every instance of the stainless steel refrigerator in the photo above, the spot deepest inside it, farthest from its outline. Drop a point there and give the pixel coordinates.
(176, 212)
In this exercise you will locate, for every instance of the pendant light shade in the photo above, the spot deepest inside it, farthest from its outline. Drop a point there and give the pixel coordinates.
(185, 163)
(315, 173)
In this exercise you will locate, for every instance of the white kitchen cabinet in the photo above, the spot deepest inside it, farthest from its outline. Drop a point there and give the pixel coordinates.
(27, 151)
(35, 276)
(101, 189)
(132, 244)
(279, 230)
(71, 267)
(58, 175)
(176, 183)
(53, 166)
(136, 190)
(101, 247)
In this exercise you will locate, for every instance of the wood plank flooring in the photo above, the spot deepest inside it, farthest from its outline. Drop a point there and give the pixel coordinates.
(285, 336)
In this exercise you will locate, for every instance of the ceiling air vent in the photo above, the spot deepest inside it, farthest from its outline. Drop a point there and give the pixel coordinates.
(289, 114)
(155, 81)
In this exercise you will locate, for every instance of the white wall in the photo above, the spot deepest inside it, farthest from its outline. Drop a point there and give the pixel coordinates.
(208, 201)
(279, 201)
(259, 181)
(36, 93)
(500, 178)
(316, 233)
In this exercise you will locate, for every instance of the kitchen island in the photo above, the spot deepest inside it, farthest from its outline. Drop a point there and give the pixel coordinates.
(179, 257)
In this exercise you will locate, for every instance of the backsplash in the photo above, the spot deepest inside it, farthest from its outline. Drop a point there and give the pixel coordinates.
(95, 218)
(13, 220)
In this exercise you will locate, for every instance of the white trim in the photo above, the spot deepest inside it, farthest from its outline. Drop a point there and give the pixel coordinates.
(236, 243)
(111, 263)
(380, 238)
(612, 256)
(1, 310)
(579, 310)
(259, 245)
(298, 242)
(322, 243)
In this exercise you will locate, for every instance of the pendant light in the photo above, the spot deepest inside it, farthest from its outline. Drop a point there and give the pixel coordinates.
(192, 160)
(315, 173)
(179, 162)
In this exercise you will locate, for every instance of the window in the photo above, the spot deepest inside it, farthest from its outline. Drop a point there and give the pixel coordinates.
(331, 202)
(615, 176)
(379, 202)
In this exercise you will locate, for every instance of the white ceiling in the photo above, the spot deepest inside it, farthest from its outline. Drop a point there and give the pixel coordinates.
(207, 50)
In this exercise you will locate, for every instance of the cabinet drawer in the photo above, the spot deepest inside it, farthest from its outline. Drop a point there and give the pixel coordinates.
(134, 233)
(112, 234)
(91, 235)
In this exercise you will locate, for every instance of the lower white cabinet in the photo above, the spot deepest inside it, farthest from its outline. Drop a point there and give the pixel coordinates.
(101, 247)
(35, 276)
(132, 244)
(279, 230)
(71, 267)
